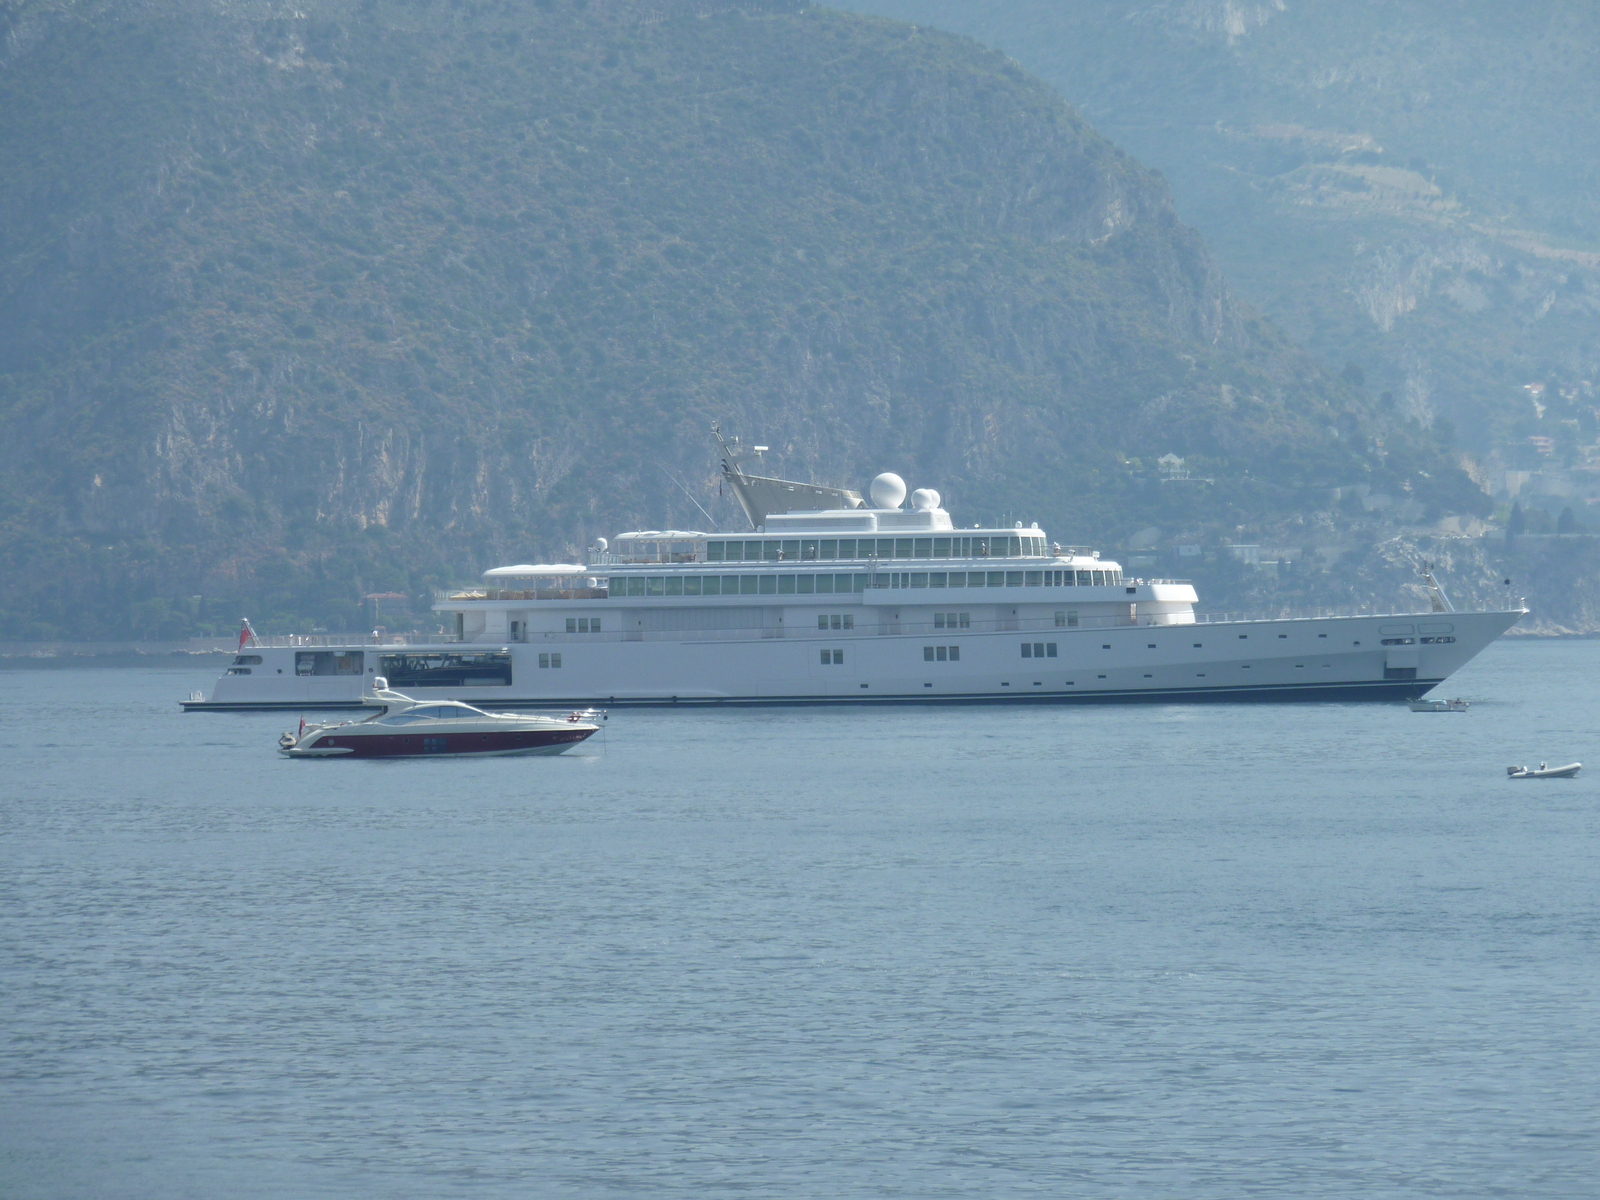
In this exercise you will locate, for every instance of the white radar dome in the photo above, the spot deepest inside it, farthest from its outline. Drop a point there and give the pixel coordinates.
(888, 490)
(600, 544)
(924, 499)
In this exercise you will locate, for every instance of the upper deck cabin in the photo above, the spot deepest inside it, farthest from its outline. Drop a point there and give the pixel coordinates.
(822, 553)
(840, 547)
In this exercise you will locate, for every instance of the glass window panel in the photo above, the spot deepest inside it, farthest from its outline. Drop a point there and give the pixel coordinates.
(923, 548)
(808, 551)
(858, 583)
(544, 660)
(790, 550)
(805, 584)
(674, 585)
(827, 657)
(752, 552)
(902, 547)
(847, 547)
(919, 579)
(938, 620)
(838, 658)
(937, 579)
(785, 585)
(1031, 578)
(996, 579)
(555, 660)
(572, 625)
(943, 654)
(822, 620)
(1050, 650)
(636, 586)
(825, 584)
(828, 548)
(713, 551)
(849, 620)
(927, 654)
(747, 585)
(955, 653)
(1085, 578)
(769, 551)
(966, 620)
(655, 585)
(941, 547)
(769, 585)
(1013, 578)
(958, 579)
(691, 585)
(1027, 650)
(1099, 577)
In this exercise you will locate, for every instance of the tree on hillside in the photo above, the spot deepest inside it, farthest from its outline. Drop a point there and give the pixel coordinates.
(1516, 524)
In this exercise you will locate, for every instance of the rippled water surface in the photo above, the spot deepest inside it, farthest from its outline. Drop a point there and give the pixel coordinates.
(1123, 951)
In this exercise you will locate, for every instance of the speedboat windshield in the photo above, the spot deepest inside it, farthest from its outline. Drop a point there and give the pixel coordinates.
(433, 712)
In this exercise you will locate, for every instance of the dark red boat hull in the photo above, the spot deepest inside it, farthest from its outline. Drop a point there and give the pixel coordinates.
(409, 745)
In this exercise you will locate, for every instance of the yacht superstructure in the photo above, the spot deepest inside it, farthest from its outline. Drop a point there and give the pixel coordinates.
(848, 601)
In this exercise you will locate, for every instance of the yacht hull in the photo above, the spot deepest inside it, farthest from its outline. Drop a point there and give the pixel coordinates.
(1297, 659)
(341, 743)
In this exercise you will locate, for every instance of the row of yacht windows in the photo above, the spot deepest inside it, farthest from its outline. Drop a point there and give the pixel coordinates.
(808, 585)
(1026, 545)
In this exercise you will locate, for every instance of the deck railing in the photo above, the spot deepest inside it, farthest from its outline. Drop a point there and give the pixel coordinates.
(313, 641)
(1312, 614)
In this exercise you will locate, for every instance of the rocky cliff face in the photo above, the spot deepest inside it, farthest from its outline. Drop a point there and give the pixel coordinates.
(1408, 188)
(299, 306)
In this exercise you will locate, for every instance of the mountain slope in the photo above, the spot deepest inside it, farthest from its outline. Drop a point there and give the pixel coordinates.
(302, 307)
(1412, 188)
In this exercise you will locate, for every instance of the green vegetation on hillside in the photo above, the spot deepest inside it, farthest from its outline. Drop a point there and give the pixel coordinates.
(297, 308)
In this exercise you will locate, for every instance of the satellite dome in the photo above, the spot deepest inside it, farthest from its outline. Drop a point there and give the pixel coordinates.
(924, 499)
(600, 544)
(888, 490)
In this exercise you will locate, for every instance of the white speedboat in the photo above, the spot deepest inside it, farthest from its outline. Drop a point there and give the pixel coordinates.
(1570, 771)
(405, 727)
(1439, 705)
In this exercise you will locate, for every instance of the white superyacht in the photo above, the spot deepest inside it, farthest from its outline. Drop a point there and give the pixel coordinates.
(830, 599)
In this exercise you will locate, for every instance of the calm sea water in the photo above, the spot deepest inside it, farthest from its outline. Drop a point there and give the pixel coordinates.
(1197, 951)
